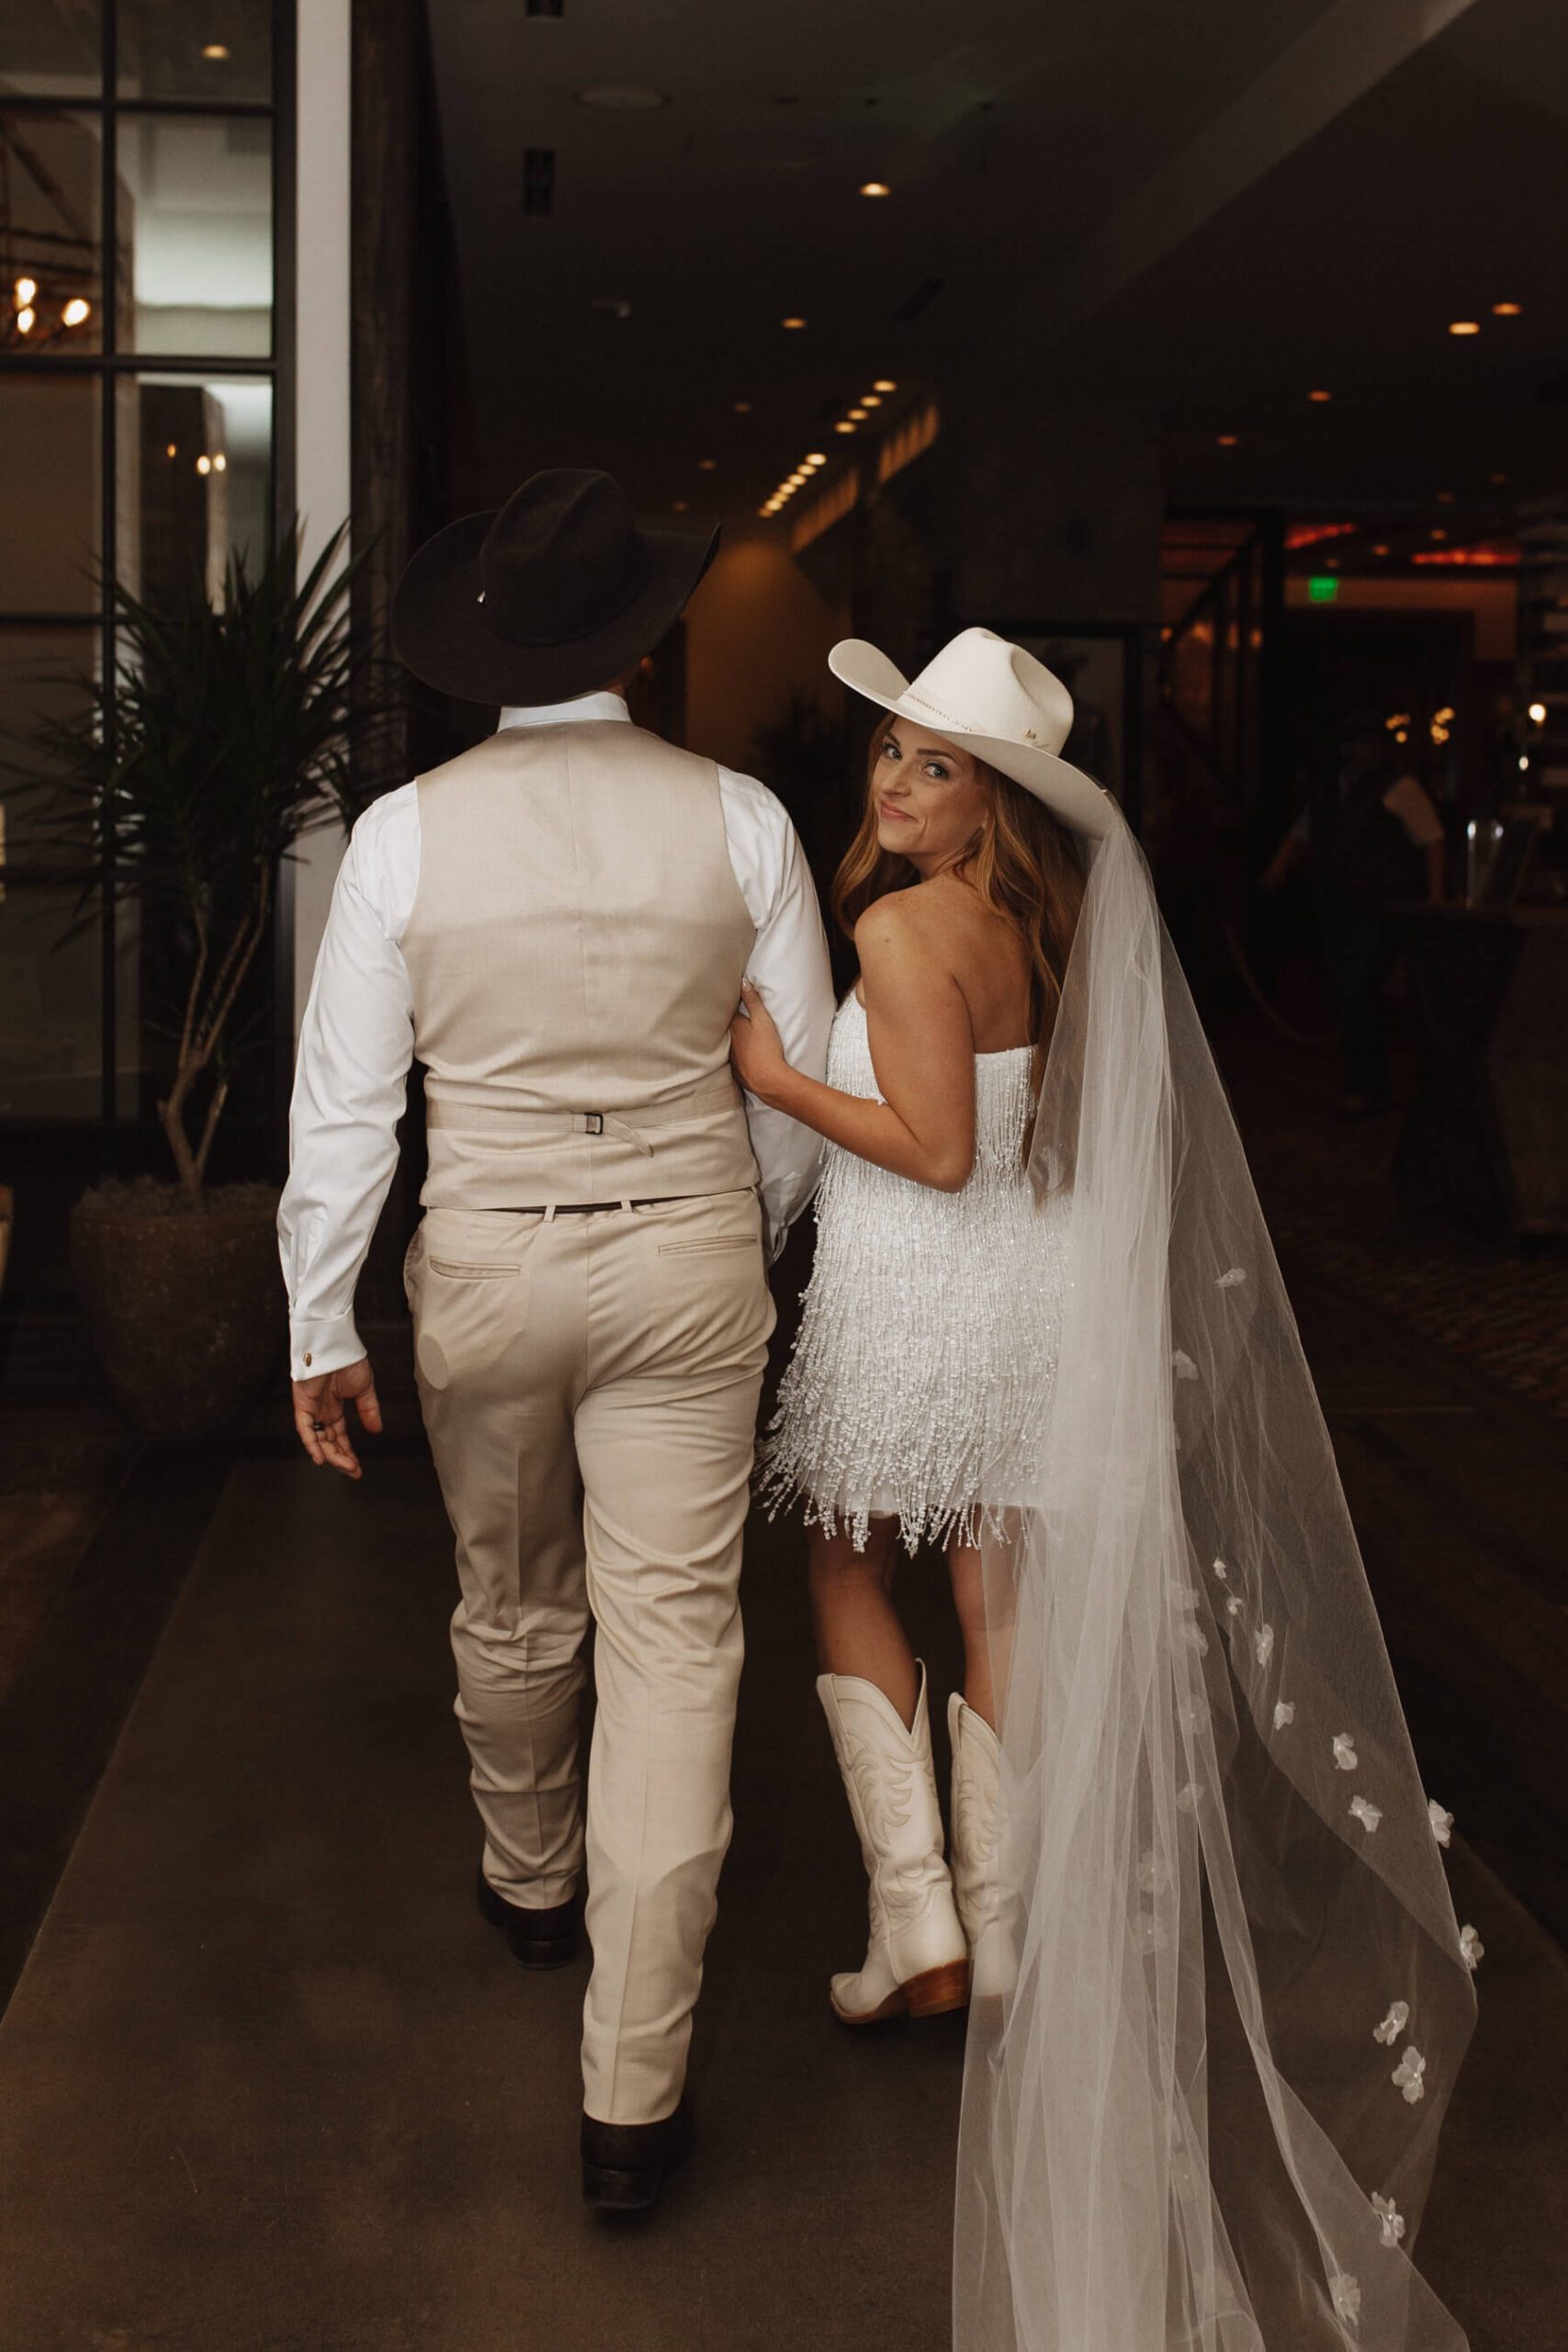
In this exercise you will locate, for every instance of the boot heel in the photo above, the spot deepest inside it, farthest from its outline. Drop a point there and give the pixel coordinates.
(932, 1993)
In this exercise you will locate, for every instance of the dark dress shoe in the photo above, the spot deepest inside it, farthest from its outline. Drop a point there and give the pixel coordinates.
(536, 1939)
(624, 2164)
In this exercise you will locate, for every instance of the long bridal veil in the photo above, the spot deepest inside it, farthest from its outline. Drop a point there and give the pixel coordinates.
(1220, 1995)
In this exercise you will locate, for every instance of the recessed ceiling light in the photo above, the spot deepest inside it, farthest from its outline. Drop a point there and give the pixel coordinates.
(1227, 440)
(1381, 549)
(817, 457)
(1437, 535)
(857, 415)
(884, 384)
(216, 49)
(871, 400)
(622, 97)
(792, 323)
(742, 408)
(1320, 397)
(876, 188)
(1505, 309)
(708, 465)
(1464, 326)
(677, 506)
(842, 426)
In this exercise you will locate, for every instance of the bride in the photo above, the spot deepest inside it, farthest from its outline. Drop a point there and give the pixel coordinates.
(1217, 1992)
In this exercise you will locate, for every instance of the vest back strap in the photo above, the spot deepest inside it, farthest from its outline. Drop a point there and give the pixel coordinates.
(494, 1118)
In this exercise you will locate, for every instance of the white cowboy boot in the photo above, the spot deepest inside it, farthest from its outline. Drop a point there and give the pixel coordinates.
(976, 1772)
(917, 1963)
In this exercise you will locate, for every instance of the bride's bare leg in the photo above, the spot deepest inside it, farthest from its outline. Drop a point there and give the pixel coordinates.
(965, 1565)
(856, 1624)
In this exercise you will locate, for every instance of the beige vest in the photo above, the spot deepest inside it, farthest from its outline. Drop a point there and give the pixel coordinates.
(576, 950)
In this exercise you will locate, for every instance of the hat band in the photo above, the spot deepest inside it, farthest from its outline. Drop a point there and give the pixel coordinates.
(582, 625)
(1028, 740)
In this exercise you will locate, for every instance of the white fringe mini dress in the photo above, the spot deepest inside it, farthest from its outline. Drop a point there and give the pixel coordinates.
(929, 1330)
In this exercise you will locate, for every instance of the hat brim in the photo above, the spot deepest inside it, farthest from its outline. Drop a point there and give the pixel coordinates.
(439, 631)
(1067, 791)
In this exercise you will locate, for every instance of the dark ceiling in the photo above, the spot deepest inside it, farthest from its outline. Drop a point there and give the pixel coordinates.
(1198, 214)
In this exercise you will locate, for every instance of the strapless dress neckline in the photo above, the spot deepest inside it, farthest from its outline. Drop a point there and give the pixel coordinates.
(997, 1054)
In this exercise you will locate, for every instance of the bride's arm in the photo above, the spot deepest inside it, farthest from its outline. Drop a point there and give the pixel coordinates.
(922, 1051)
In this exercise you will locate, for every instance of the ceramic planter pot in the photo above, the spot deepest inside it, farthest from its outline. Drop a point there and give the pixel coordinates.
(184, 1307)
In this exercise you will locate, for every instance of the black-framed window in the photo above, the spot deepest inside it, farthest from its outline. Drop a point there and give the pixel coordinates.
(146, 159)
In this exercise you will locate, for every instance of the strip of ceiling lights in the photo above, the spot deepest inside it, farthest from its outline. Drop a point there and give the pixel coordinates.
(814, 462)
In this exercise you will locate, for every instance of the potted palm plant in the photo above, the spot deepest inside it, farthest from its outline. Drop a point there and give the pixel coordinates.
(221, 738)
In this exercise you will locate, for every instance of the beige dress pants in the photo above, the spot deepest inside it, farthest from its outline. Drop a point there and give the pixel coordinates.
(590, 1385)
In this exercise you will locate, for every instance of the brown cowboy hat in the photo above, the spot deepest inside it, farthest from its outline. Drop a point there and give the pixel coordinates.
(558, 592)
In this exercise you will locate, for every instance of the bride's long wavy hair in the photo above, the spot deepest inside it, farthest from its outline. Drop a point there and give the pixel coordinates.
(1022, 862)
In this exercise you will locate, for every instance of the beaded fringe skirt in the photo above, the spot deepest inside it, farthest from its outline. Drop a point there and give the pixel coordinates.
(929, 1330)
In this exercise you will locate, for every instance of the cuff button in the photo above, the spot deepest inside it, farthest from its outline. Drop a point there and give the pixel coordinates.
(306, 1360)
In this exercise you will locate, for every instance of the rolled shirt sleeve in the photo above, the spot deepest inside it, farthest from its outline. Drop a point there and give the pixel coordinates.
(350, 1089)
(789, 966)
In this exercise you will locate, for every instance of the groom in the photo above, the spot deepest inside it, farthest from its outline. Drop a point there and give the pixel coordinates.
(557, 924)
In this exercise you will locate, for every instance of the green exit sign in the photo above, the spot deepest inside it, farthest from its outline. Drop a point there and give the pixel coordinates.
(1323, 588)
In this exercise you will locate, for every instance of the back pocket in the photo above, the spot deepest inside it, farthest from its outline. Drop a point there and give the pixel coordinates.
(709, 1242)
(484, 1271)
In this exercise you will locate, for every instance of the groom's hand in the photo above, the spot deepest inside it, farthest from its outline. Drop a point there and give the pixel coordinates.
(321, 1419)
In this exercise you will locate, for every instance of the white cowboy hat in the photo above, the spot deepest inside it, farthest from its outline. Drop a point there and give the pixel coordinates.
(995, 701)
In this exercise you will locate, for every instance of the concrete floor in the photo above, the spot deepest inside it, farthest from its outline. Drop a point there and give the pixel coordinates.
(268, 2085)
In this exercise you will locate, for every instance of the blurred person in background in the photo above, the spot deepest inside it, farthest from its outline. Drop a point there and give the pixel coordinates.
(1369, 837)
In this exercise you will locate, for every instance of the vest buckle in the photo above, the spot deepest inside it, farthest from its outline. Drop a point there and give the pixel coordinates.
(593, 1123)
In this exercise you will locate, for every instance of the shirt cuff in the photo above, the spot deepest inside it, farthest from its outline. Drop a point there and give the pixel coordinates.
(322, 1343)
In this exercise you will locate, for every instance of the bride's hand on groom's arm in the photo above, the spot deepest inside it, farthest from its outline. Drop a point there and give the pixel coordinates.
(756, 1049)
(923, 1052)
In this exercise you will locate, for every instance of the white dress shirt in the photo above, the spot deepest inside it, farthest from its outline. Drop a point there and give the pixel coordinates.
(351, 1079)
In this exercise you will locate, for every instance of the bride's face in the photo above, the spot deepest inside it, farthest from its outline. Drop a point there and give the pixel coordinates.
(930, 797)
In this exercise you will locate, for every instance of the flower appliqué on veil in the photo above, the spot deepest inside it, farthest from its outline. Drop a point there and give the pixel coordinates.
(1345, 1751)
(1410, 2074)
(1347, 2297)
(1231, 1277)
(1471, 1950)
(1366, 1812)
(1442, 1822)
(1263, 1643)
(1392, 2218)
(1233, 1604)
(1284, 1713)
(1393, 2025)
(1221, 1571)
(1183, 1366)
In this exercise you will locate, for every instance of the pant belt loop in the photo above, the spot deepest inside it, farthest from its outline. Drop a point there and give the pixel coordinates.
(625, 1205)
(550, 1214)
